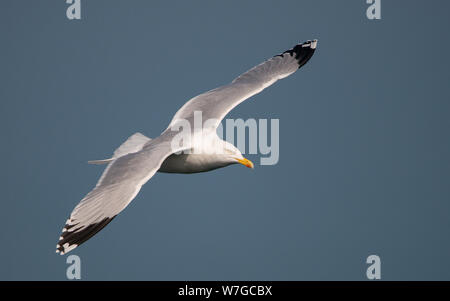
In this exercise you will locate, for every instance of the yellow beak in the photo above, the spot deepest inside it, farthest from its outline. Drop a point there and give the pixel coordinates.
(246, 162)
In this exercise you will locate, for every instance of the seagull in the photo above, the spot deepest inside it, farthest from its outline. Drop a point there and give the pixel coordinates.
(139, 157)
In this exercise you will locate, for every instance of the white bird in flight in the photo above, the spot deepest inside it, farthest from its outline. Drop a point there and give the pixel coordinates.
(140, 157)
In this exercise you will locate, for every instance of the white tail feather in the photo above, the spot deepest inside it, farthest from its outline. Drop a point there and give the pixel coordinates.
(133, 144)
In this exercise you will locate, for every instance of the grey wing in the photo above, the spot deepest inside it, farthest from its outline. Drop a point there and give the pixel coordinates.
(215, 104)
(117, 187)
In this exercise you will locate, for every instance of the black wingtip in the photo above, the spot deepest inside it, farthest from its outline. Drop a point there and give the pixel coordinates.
(303, 52)
(310, 43)
(69, 240)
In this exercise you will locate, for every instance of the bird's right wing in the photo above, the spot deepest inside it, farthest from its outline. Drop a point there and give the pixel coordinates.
(215, 104)
(117, 187)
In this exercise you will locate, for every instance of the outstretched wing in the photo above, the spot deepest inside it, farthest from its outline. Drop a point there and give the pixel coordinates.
(215, 104)
(117, 187)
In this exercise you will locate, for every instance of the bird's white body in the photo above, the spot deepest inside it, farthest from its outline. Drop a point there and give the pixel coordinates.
(193, 163)
(208, 153)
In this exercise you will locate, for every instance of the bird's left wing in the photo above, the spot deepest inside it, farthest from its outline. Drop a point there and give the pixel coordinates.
(117, 187)
(215, 104)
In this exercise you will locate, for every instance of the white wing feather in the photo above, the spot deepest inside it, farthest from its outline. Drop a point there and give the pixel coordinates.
(215, 104)
(116, 188)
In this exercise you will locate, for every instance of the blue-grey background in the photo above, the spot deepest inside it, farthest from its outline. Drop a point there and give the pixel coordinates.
(364, 139)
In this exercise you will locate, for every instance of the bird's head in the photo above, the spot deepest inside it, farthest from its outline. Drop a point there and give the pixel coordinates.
(234, 155)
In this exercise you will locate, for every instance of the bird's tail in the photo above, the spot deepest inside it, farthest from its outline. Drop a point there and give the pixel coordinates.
(133, 144)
